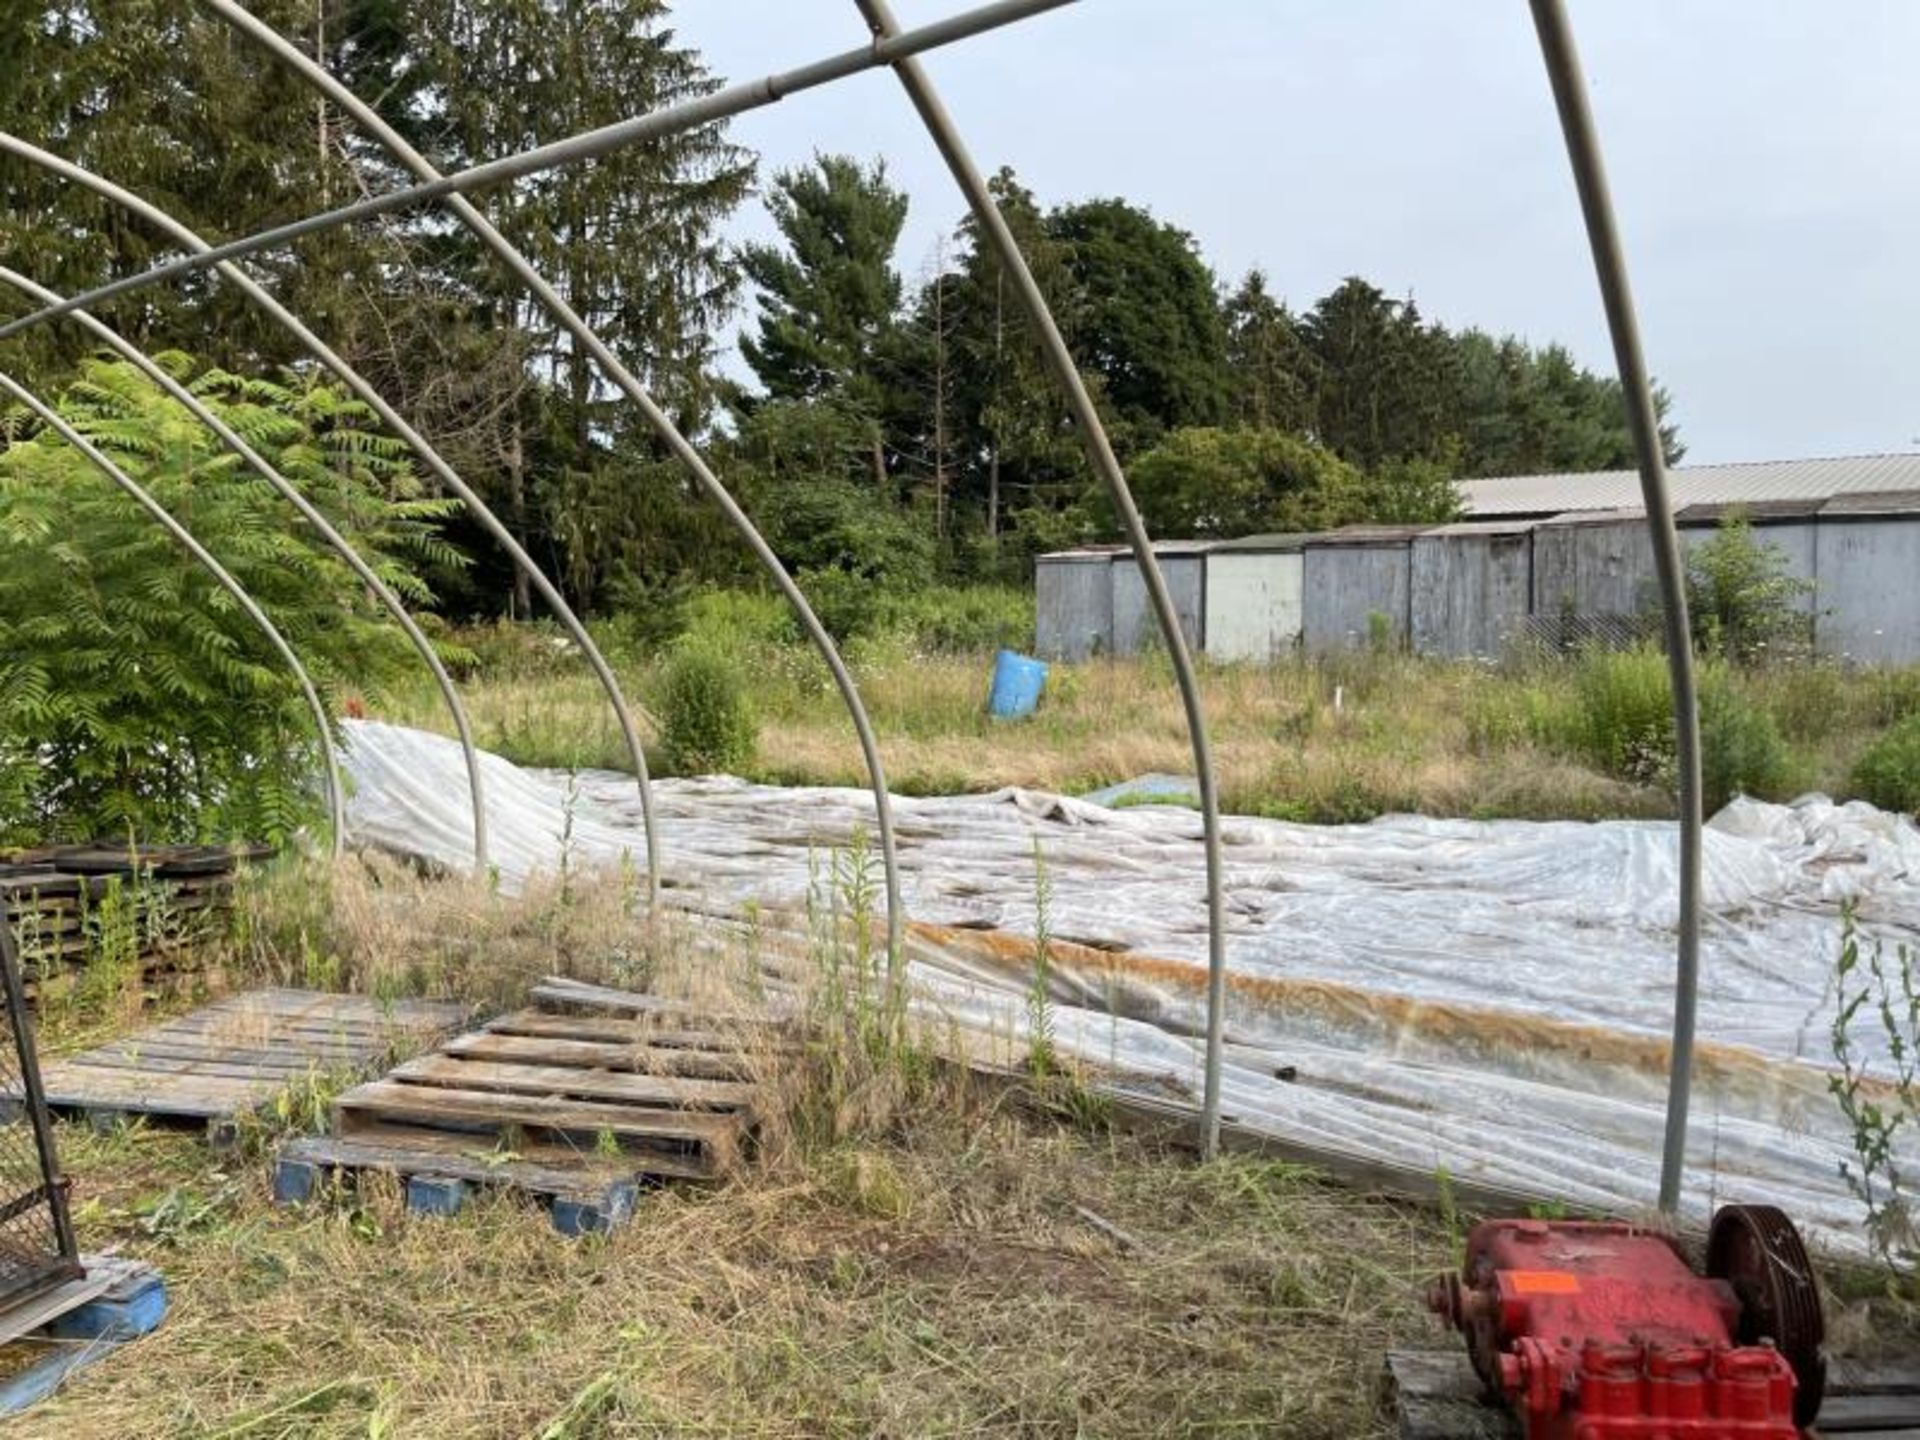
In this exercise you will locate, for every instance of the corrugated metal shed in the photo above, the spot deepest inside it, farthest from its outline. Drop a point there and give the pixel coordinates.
(1592, 565)
(1351, 575)
(1184, 564)
(1253, 597)
(1073, 603)
(1543, 495)
(1472, 586)
(1867, 564)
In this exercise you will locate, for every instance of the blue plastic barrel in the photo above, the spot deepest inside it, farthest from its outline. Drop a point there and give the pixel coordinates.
(1017, 683)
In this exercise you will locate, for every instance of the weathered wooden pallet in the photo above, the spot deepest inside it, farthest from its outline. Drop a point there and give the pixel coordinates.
(46, 895)
(223, 1060)
(115, 1300)
(579, 1110)
(1437, 1396)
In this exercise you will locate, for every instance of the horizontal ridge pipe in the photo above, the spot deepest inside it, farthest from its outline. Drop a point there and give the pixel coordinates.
(720, 105)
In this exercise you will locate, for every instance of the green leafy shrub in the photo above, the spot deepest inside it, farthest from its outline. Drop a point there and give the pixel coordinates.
(1888, 773)
(959, 619)
(707, 724)
(135, 697)
(748, 624)
(1621, 721)
(1744, 603)
(1741, 750)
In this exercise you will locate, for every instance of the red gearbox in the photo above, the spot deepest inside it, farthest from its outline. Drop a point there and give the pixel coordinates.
(1594, 1331)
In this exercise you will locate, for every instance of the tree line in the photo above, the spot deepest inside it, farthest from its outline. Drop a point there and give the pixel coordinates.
(884, 428)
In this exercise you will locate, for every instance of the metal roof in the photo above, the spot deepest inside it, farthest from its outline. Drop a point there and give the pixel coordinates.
(1694, 485)
(1757, 512)
(1467, 528)
(1365, 535)
(1258, 544)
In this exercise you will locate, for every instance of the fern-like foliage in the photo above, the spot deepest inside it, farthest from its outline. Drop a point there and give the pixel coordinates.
(135, 696)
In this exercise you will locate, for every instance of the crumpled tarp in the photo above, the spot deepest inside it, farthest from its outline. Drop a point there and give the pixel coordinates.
(1488, 998)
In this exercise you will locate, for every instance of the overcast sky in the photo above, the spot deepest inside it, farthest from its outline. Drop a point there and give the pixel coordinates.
(1765, 161)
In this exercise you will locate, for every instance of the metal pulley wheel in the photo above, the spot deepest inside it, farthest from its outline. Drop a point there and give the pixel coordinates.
(1756, 1250)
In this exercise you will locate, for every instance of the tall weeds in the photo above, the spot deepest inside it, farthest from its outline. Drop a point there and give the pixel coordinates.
(1879, 1000)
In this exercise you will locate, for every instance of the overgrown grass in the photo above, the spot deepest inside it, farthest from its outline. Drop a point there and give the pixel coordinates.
(912, 1251)
(1341, 738)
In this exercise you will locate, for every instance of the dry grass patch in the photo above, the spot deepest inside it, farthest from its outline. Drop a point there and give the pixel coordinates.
(942, 1280)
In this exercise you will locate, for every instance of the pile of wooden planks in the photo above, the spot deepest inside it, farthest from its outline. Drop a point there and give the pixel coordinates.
(55, 898)
(580, 1099)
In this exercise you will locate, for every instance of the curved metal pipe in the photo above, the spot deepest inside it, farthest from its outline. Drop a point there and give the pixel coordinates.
(324, 527)
(336, 809)
(673, 119)
(317, 77)
(1643, 418)
(388, 415)
(993, 225)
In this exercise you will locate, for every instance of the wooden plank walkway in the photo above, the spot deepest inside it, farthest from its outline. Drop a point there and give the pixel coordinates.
(1437, 1396)
(218, 1062)
(579, 1100)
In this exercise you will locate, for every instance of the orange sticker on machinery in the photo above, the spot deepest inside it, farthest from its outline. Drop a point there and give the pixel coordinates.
(1543, 1282)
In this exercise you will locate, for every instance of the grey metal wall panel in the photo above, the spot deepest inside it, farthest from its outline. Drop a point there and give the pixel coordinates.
(1470, 593)
(1134, 624)
(1869, 575)
(1593, 570)
(1344, 586)
(1253, 604)
(1073, 607)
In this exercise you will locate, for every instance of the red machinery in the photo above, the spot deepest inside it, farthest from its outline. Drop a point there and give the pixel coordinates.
(1597, 1331)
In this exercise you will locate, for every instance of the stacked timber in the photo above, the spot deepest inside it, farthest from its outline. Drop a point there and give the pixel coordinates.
(65, 903)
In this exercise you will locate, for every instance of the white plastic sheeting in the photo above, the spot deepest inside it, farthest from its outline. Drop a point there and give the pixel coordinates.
(1491, 998)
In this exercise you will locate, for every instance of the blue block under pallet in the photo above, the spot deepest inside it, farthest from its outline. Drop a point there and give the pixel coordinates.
(591, 1200)
(99, 1322)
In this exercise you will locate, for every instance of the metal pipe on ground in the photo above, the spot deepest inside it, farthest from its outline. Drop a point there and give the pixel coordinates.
(933, 113)
(1562, 59)
(280, 315)
(318, 78)
(336, 809)
(335, 541)
(720, 105)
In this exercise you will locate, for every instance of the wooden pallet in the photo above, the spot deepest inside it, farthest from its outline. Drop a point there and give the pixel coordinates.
(1437, 1396)
(580, 1110)
(46, 894)
(81, 1323)
(223, 1060)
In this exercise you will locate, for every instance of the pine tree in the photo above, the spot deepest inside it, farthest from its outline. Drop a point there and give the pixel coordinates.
(1272, 377)
(631, 241)
(829, 295)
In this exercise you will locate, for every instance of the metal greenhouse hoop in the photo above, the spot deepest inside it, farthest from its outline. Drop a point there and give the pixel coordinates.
(322, 526)
(388, 415)
(1093, 433)
(336, 808)
(1562, 60)
(891, 46)
(683, 449)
